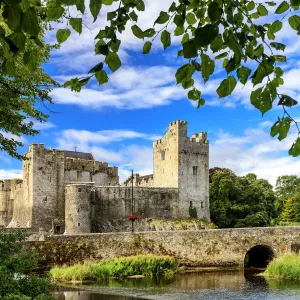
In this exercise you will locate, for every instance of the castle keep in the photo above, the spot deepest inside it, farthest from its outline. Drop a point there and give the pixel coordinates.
(70, 191)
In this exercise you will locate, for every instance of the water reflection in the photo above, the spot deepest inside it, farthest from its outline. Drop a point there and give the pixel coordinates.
(192, 286)
(85, 295)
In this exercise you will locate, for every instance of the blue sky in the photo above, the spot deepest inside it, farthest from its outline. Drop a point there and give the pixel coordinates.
(118, 122)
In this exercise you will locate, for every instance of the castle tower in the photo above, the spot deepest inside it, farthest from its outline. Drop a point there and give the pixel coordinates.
(78, 208)
(182, 162)
(42, 204)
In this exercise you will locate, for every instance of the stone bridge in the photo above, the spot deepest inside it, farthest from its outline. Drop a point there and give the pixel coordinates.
(202, 248)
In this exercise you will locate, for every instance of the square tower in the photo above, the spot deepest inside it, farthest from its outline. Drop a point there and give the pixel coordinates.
(182, 162)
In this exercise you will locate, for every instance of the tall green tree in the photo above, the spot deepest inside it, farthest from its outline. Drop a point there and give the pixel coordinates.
(24, 88)
(286, 187)
(234, 32)
(240, 201)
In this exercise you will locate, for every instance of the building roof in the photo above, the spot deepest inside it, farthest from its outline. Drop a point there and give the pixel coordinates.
(80, 155)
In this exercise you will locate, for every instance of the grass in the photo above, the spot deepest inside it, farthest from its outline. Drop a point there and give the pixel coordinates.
(285, 267)
(146, 265)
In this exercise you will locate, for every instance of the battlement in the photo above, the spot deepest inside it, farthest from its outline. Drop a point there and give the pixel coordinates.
(199, 138)
(178, 122)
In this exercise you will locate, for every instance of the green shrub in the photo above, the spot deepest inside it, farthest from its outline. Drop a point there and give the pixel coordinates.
(13, 260)
(146, 265)
(286, 266)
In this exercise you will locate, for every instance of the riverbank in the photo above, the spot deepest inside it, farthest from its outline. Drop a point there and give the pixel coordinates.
(285, 267)
(141, 265)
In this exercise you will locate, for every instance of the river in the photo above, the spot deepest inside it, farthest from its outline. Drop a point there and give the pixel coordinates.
(192, 286)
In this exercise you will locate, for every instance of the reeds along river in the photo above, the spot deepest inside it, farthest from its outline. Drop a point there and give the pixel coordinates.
(192, 286)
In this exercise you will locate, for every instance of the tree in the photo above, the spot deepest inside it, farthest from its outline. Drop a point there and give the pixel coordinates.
(233, 31)
(23, 85)
(17, 278)
(286, 187)
(240, 201)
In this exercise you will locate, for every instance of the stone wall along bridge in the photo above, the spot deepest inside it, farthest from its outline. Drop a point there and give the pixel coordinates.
(202, 248)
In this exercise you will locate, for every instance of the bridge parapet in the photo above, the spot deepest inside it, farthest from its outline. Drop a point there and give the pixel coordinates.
(207, 248)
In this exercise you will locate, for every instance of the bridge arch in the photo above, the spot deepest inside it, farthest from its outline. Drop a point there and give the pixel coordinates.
(258, 256)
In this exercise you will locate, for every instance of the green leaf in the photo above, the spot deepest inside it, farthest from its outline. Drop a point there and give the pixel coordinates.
(178, 31)
(113, 61)
(137, 31)
(191, 19)
(217, 44)
(178, 20)
(261, 100)
(280, 58)
(295, 149)
(294, 22)
(18, 39)
(281, 128)
(262, 11)
(62, 35)
(149, 33)
(8, 67)
(166, 39)
(29, 59)
(233, 44)
(147, 47)
(30, 23)
(190, 49)
(284, 6)
(226, 87)
(101, 48)
(107, 2)
(287, 101)
(185, 38)
(250, 5)
(185, 72)
(264, 69)
(207, 67)
(206, 34)
(96, 68)
(101, 77)
(295, 2)
(278, 46)
(271, 3)
(80, 5)
(243, 74)
(201, 102)
(186, 84)
(214, 11)
(76, 24)
(162, 18)
(13, 15)
(114, 46)
(194, 94)
(275, 27)
(133, 16)
(140, 5)
(95, 6)
(222, 55)
(54, 11)
(173, 7)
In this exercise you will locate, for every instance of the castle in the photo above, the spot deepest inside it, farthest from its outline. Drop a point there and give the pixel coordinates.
(71, 191)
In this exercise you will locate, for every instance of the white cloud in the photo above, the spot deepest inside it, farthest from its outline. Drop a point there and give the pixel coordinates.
(10, 173)
(43, 126)
(133, 157)
(131, 88)
(254, 152)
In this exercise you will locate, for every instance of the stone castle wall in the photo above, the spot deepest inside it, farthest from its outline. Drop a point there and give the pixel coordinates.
(108, 207)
